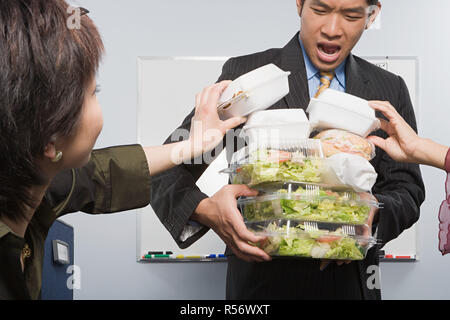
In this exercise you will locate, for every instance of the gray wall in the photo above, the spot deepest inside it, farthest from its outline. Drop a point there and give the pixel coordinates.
(105, 246)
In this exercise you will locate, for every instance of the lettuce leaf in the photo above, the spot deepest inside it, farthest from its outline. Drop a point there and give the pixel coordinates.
(324, 208)
(285, 241)
(262, 169)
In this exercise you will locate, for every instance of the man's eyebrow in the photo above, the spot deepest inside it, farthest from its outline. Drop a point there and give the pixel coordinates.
(320, 4)
(360, 10)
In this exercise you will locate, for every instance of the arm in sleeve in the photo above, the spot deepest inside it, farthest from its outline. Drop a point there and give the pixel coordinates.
(175, 195)
(12, 280)
(399, 185)
(115, 179)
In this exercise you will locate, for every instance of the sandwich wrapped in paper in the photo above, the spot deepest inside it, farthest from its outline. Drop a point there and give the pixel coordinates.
(348, 158)
(336, 141)
(350, 170)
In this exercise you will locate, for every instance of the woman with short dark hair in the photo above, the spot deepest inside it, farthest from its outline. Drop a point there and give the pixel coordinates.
(49, 121)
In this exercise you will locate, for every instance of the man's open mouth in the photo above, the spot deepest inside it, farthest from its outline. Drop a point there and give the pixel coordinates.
(328, 52)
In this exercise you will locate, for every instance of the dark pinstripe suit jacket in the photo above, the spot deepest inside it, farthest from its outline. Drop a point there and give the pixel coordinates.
(399, 186)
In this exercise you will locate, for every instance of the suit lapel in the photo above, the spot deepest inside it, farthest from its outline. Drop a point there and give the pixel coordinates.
(357, 81)
(292, 60)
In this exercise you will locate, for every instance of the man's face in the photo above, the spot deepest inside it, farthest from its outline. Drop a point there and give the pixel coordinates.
(330, 29)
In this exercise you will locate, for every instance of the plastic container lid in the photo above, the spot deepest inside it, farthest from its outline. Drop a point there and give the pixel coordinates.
(278, 151)
(254, 167)
(308, 202)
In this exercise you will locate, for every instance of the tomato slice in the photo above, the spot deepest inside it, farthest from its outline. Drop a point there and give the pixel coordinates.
(279, 156)
(328, 238)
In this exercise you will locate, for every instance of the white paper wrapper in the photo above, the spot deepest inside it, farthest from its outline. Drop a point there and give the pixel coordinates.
(350, 170)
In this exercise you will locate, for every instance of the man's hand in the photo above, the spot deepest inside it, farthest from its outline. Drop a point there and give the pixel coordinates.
(220, 213)
(366, 231)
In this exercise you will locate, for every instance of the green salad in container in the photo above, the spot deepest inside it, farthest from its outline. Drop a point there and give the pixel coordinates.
(318, 244)
(266, 166)
(324, 206)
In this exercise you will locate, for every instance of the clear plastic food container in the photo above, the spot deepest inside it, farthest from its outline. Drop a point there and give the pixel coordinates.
(299, 161)
(307, 202)
(296, 238)
(253, 91)
(340, 110)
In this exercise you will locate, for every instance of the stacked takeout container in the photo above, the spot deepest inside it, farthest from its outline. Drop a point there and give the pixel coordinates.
(310, 201)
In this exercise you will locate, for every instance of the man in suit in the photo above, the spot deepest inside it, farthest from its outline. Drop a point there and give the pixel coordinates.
(329, 31)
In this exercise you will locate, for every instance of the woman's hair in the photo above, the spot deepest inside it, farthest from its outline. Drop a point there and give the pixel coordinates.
(46, 65)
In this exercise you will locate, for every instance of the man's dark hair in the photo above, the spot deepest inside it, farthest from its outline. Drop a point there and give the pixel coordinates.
(369, 2)
(45, 70)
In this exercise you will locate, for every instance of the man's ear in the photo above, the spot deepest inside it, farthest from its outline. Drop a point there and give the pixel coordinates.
(373, 14)
(300, 7)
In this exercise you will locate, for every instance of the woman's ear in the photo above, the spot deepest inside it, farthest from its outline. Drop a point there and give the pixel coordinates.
(374, 11)
(50, 150)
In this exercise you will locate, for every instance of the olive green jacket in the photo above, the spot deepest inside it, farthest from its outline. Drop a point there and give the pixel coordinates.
(115, 179)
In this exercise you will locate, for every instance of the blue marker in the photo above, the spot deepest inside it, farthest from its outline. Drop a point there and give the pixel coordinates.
(211, 256)
(221, 256)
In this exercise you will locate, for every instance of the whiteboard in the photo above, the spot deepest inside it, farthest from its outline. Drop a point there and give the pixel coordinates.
(407, 67)
(166, 95)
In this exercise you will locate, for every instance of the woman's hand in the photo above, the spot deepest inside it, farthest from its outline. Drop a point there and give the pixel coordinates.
(403, 142)
(207, 130)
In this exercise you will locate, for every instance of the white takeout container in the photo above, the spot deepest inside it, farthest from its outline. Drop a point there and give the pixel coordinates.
(253, 91)
(280, 124)
(339, 110)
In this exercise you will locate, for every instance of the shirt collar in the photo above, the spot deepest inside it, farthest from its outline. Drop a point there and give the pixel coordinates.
(312, 71)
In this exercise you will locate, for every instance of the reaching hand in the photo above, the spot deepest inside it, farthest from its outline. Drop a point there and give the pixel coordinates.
(402, 143)
(207, 130)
